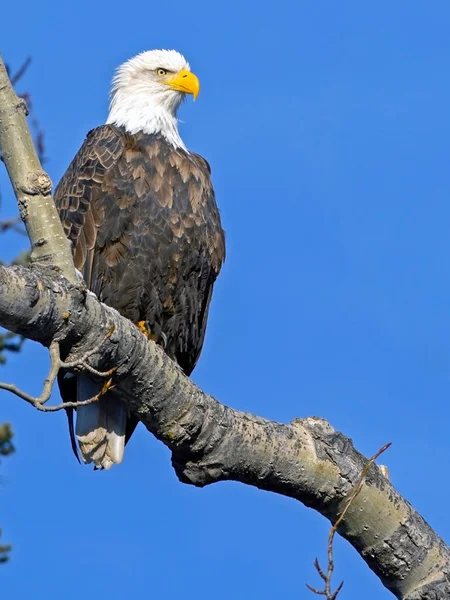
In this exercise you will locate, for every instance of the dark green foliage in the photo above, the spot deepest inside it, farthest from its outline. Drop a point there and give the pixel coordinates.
(4, 551)
(9, 342)
(6, 434)
(6, 448)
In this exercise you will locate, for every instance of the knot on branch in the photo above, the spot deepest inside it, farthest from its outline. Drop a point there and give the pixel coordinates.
(22, 105)
(38, 183)
(316, 424)
(202, 454)
(197, 473)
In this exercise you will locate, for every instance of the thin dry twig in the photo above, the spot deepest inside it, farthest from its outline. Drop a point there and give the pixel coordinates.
(48, 382)
(326, 577)
(82, 361)
(10, 342)
(38, 132)
(26, 96)
(13, 224)
(21, 71)
(55, 365)
(64, 405)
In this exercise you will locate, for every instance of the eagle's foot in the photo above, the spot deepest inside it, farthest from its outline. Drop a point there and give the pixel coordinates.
(144, 327)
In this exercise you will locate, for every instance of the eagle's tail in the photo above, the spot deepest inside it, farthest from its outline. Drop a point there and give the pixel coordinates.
(100, 427)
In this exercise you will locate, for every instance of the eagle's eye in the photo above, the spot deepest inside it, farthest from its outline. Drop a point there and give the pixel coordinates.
(161, 72)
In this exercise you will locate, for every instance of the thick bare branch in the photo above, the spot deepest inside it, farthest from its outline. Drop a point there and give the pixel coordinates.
(307, 460)
(31, 184)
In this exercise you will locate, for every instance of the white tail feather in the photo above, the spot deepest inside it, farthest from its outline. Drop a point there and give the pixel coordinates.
(100, 427)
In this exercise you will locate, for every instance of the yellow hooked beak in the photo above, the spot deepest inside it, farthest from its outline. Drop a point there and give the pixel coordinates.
(186, 82)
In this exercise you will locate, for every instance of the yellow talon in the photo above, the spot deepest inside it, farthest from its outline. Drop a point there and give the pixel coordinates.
(143, 328)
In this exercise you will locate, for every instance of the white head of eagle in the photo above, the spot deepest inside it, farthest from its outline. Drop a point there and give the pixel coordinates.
(147, 91)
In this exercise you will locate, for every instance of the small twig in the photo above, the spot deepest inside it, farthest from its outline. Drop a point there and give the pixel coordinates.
(38, 133)
(21, 72)
(64, 405)
(10, 342)
(14, 223)
(89, 369)
(82, 361)
(55, 365)
(326, 578)
(48, 382)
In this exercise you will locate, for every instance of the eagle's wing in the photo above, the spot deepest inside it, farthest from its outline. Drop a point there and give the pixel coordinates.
(80, 195)
(216, 250)
(102, 428)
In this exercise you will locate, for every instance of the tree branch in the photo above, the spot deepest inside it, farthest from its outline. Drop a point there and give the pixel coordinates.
(31, 184)
(326, 578)
(307, 459)
(56, 364)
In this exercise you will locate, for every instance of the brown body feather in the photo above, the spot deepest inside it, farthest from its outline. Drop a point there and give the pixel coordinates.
(146, 235)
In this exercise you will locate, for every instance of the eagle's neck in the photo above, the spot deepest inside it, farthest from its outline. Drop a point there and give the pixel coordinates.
(151, 115)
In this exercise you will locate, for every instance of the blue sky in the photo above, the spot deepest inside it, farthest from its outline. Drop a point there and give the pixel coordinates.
(327, 126)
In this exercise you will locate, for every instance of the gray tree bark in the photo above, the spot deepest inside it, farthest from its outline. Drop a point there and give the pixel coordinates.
(307, 459)
(32, 186)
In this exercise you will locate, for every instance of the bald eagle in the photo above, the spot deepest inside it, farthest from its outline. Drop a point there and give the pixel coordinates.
(140, 211)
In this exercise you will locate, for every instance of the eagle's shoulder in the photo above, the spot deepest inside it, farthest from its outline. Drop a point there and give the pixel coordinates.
(101, 149)
(203, 163)
(79, 194)
(201, 173)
